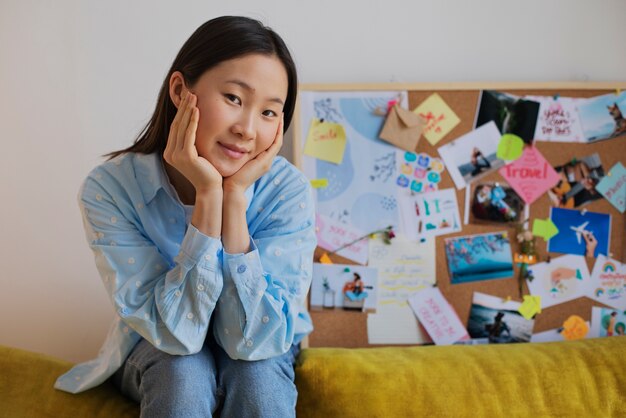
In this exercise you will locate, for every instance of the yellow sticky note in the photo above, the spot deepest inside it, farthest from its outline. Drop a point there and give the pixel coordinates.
(574, 328)
(325, 259)
(319, 183)
(326, 141)
(530, 307)
(510, 147)
(438, 116)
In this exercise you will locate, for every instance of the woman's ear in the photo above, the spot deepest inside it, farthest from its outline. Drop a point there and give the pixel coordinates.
(177, 87)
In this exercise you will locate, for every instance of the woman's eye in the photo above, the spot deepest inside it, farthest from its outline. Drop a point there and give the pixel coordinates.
(233, 98)
(269, 113)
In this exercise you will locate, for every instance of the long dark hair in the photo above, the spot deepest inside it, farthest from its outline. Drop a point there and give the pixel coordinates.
(217, 40)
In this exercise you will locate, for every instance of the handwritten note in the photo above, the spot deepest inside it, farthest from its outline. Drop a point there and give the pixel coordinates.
(439, 117)
(326, 141)
(332, 235)
(531, 175)
(613, 187)
(608, 282)
(437, 316)
(558, 119)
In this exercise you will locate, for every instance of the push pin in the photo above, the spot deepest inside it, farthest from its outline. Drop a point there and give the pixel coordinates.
(556, 97)
(548, 260)
(346, 270)
(583, 212)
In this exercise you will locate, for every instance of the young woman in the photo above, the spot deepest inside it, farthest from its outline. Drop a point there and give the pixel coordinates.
(204, 238)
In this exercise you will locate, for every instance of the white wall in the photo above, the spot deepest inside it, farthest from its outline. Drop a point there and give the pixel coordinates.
(79, 78)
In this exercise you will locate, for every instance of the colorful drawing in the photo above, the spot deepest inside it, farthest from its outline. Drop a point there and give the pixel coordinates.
(580, 232)
(608, 283)
(562, 279)
(607, 322)
(578, 180)
(602, 117)
(437, 316)
(440, 118)
(418, 172)
(343, 286)
(479, 257)
(558, 119)
(613, 187)
(511, 114)
(473, 155)
(429, 214)
(530, 175)
(495, 320)
(360, 191)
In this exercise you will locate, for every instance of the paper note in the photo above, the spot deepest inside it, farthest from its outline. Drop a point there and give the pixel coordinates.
(326, 141)
(531, 175)
(558, 119)
(510, 147)
(439, 118)
(544, 228)
(562, 279)
(530, 307)
(319, 183)
(613, 187)
(608, 283)
(574, 328)
(429, 214)
(332, 235)
(437, 316)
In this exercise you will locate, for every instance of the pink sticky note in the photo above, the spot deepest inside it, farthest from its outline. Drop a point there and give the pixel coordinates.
(531, 175)
(437, 316)
(332, 234)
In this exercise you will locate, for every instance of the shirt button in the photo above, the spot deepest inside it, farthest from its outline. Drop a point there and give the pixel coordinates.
(208, 257)
(98, 197)
(226, 331)
(273, 217)
(189, 315)
(302, 206)
(299, 242)
(277, 253)
(138, 283)
(265, 319)
(260, 210)
(241, 269)
(276, 182)
(249, 343)
(282, 197)
(177, 293)
(200, 287)
(157, 341)
(140, 206)
(113, 219)
(260, 293)
(146, 315)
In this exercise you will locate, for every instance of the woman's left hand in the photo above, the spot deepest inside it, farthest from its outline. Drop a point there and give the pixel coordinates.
(256, 167)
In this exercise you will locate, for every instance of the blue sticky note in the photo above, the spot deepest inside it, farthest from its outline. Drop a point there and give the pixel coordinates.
(613, 187)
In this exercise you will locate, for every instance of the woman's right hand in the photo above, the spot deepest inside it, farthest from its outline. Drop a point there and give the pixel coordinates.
(181, 152)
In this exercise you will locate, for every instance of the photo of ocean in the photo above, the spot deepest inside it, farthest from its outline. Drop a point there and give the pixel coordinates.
(479, 257)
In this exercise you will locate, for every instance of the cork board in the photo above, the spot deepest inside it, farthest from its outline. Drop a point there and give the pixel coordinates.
(339, 328)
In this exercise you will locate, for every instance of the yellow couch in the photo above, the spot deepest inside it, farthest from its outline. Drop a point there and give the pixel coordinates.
(568, 379)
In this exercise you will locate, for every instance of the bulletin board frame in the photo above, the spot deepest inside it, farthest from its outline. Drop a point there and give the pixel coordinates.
(339, 328)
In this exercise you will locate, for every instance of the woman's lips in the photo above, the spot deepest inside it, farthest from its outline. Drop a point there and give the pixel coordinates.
(233, 151)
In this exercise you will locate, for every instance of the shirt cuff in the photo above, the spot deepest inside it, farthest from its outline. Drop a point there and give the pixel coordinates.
(246, 271)
(199, 249)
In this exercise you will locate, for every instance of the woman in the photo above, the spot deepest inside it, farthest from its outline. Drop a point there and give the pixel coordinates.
(204, 238)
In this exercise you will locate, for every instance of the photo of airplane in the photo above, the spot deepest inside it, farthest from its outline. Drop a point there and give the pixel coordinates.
(580, 230)
(584, 224)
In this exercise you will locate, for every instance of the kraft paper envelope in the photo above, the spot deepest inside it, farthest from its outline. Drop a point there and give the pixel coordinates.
(402, 128)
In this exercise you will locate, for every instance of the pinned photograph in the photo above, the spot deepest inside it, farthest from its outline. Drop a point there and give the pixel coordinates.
(494, 320)
(602, 117)
(496, 203)
(511, 114)
(339, 286)
(577, 183)
(479, 257)
(580, 232)
(473, 155)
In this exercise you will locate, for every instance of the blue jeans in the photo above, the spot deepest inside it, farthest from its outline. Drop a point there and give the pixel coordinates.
(197, 385)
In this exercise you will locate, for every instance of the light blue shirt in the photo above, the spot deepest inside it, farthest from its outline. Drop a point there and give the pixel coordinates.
(167, 280)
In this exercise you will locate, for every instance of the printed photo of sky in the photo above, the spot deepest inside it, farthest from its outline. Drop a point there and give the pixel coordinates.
(599, 121)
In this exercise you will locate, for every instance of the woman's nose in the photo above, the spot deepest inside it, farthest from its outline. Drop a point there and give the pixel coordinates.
(245, 126)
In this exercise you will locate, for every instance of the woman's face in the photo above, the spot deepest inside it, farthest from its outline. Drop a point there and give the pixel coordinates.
(241, 103)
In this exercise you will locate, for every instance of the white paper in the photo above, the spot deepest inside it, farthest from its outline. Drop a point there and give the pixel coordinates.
(332, 235)
(558, 119)
(562, 279)
(608, 283)
(429, 214)
(437, 316)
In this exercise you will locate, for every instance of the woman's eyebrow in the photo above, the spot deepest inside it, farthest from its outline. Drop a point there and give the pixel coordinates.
(251, 89)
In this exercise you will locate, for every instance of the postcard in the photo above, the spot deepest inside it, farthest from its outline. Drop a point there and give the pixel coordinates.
(613, 187)
(333, 234)
(577, 184)
(496, 203)
(558, 119)
(531, 175)
(429, 214)
(607, 322)
(580, 232)
(439, 117)
(608, 283)
(479, 257)
(437, 316)
(344, 286)
(511, 114)
(418, 173)
(560, 280)
(602, 117)
(494, 320)
(472, 155)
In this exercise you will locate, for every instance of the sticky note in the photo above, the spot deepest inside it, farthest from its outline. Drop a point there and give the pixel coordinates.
(544, 228)
(439, 117)
(319, 183)
(531, 175)
(613, 187)
(326, 141)
(530, 307)
(325, 259)
(574, 328)
(510, 147)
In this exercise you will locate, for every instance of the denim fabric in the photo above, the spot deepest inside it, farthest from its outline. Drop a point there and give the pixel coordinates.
(197, 385)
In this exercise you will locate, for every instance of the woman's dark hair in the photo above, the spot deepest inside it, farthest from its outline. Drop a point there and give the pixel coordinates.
(217, 40)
